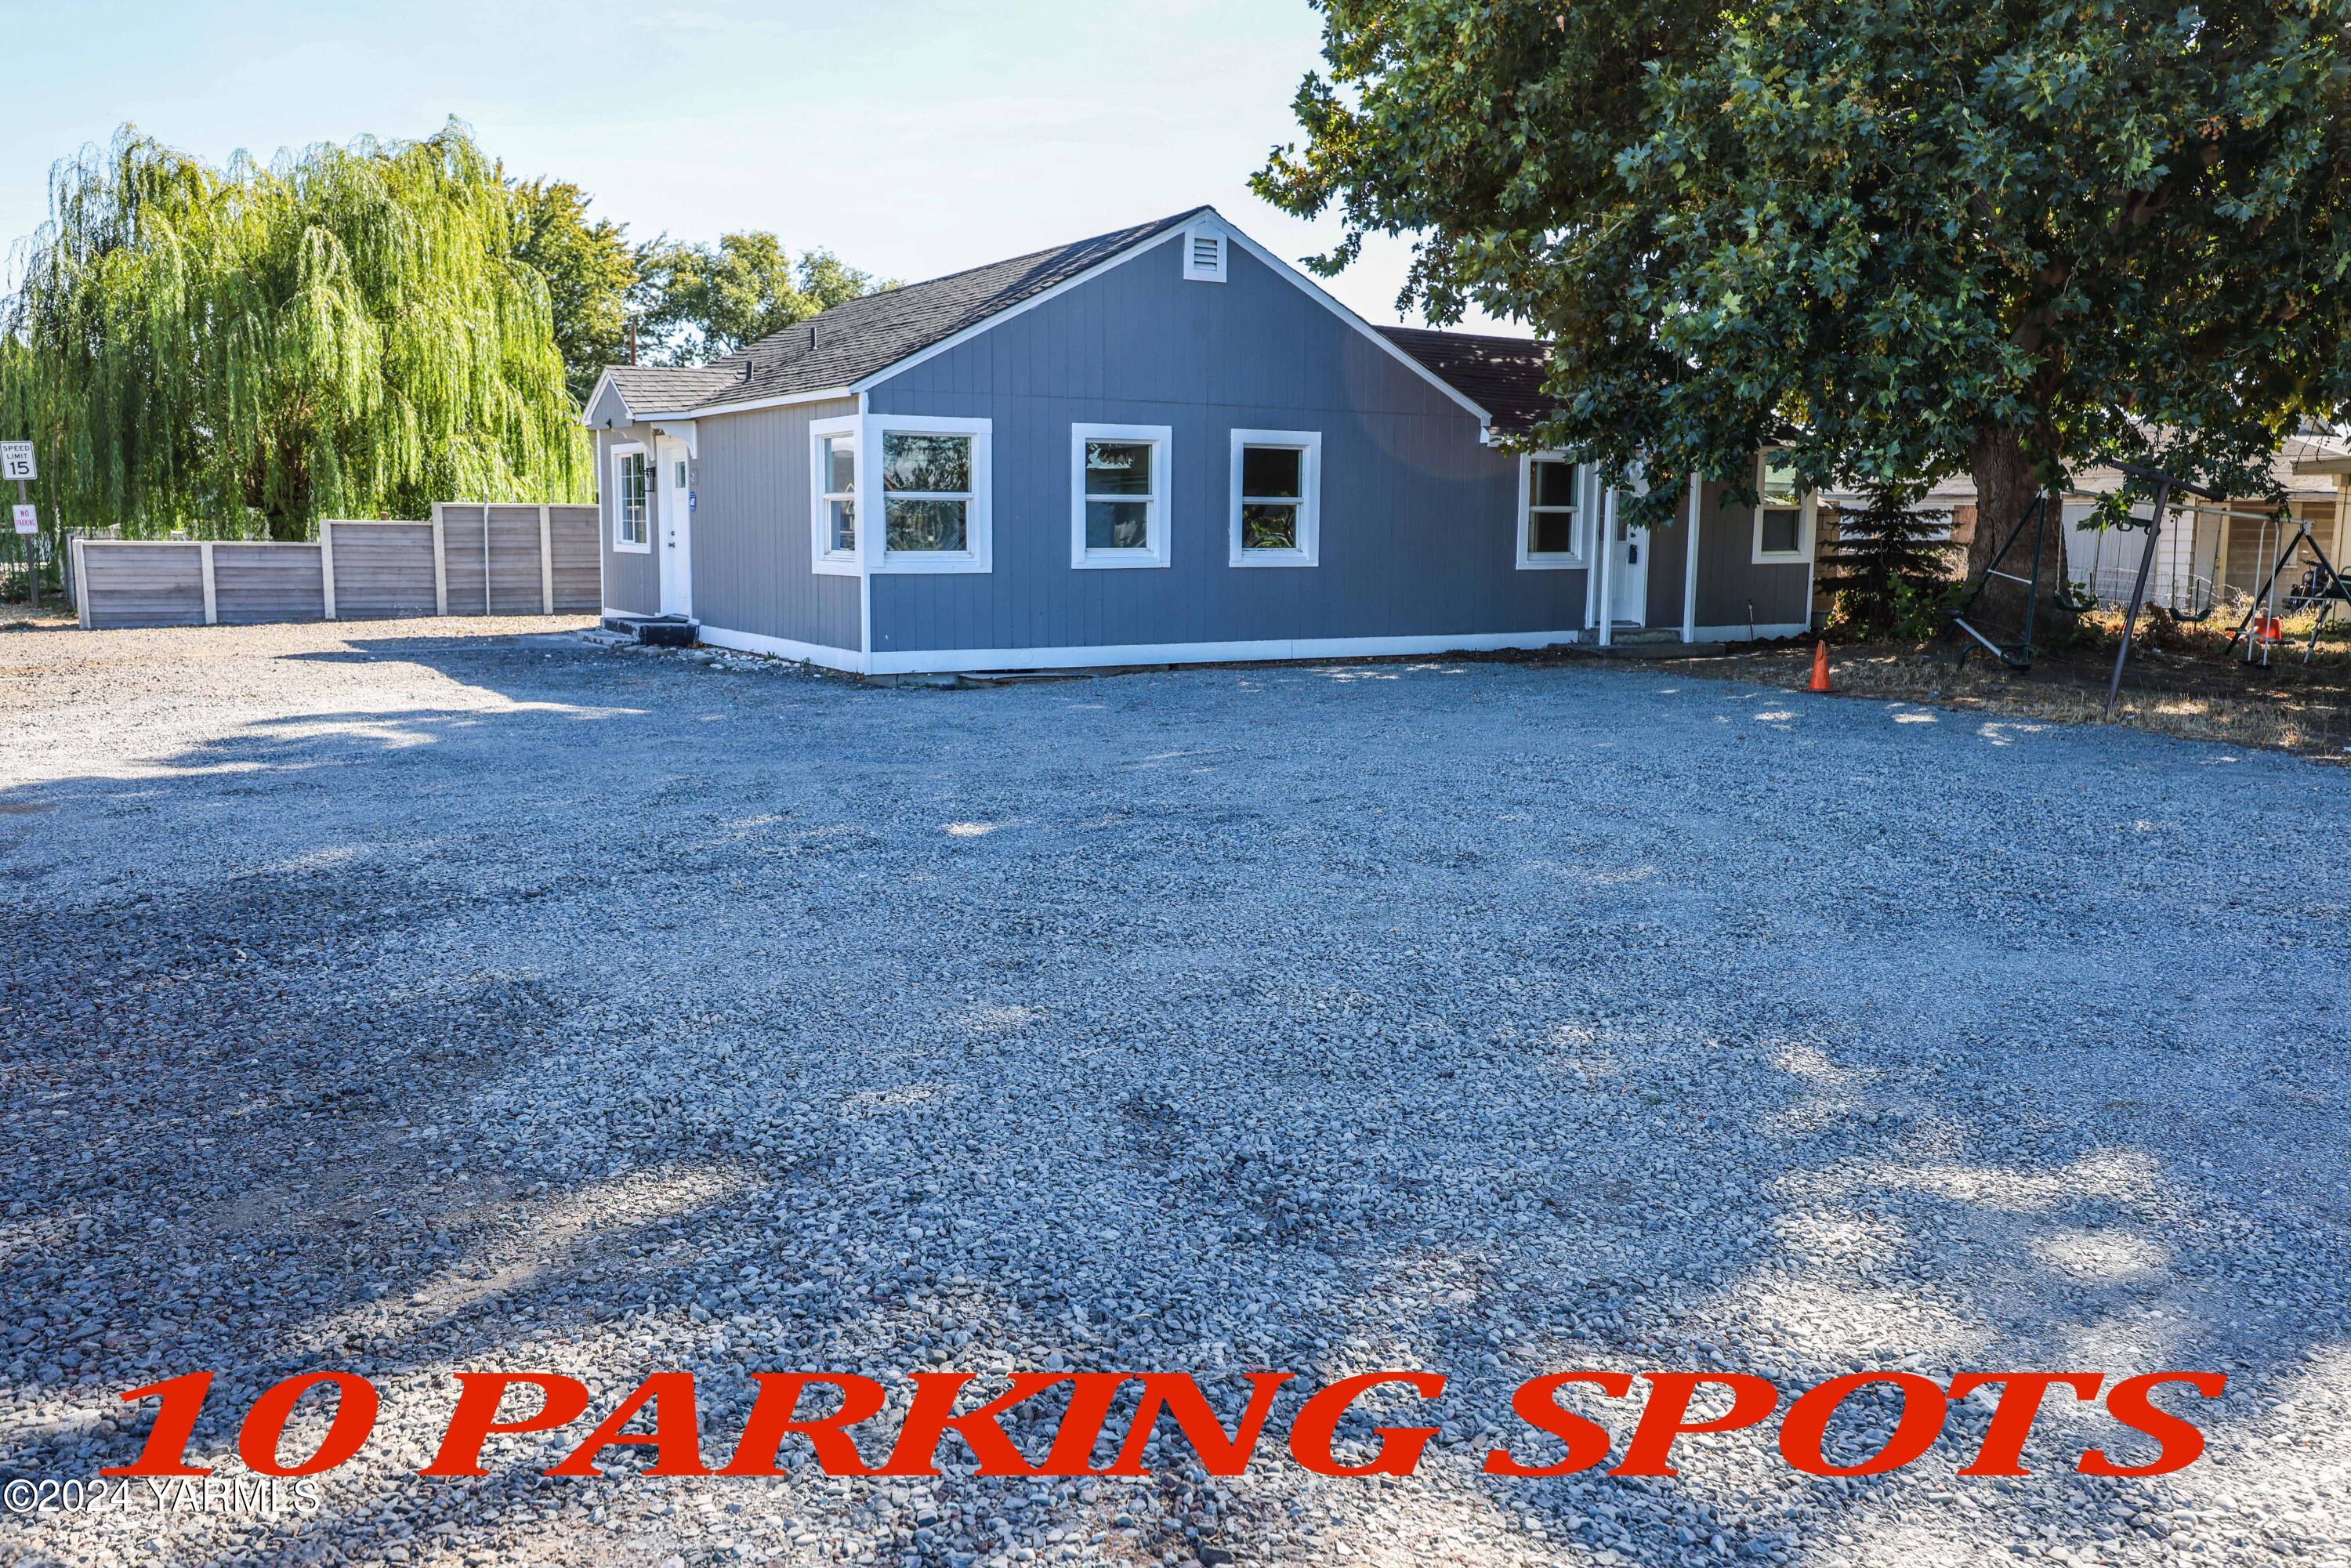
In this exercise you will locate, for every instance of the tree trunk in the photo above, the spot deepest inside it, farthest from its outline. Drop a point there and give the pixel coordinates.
(2006, 482)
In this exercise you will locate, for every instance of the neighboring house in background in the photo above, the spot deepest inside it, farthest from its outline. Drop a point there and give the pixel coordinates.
(1162, 444)
(2228, 546)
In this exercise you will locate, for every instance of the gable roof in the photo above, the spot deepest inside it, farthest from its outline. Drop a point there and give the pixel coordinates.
(853, 341)
(1503, 376)
(848, 347)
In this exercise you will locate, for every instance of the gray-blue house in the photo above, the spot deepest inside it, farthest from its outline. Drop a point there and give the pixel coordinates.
(1162, 444)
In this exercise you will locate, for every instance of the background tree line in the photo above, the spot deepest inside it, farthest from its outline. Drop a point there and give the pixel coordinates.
(349, 330)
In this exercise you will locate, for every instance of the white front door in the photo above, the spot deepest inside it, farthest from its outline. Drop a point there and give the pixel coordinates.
(1628, 574)
(673, 540)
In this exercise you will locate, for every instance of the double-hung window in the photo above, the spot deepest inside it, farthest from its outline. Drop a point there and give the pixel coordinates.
(1277, 497)
(1118, 482)
(933, 492)
(632, 495)
(832, 468)
(1783, 516)
(1553, 521)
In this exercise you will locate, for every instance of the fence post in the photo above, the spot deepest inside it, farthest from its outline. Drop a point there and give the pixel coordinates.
(82, 586)
(546, 562)
(212, 600)
(440, 566)
(326, 567)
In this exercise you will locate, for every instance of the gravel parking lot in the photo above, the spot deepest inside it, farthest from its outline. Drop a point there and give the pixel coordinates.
(406, 1000)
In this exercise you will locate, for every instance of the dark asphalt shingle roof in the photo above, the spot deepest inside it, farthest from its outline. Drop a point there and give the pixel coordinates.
(1503, 376)
(872, 332)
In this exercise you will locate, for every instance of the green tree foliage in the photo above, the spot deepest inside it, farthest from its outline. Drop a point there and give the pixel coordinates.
(343, 332)
(1905, 237)
(590, 271)
(697, 302)
(1886, 562)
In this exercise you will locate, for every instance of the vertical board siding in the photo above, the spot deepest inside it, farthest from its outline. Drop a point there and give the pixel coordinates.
(753, 530)
(382, 571)
(1418, 520)
(253, 584)
(1728, 578)
(142, 584)
(632, 578)
(1668, 553)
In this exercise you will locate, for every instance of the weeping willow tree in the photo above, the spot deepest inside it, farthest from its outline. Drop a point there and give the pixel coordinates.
(343, 332)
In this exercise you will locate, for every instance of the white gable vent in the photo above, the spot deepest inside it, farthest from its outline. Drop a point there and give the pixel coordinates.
(1204, 256)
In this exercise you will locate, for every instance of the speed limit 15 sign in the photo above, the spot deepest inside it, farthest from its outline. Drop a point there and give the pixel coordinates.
(17, 460)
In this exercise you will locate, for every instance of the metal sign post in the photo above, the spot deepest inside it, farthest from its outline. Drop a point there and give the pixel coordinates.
(17, 463)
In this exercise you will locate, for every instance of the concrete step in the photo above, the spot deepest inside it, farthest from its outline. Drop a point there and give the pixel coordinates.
(656, 631)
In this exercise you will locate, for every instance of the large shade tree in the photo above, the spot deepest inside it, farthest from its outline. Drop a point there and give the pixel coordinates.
(345, 332)
(1903, 237)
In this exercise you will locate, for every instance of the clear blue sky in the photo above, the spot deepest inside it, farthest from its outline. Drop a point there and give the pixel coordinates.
(912, 137)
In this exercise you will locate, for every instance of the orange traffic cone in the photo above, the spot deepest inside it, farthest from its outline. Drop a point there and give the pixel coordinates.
(1821, 668)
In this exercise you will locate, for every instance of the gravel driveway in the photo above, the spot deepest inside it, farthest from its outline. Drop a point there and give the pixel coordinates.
(388, 998)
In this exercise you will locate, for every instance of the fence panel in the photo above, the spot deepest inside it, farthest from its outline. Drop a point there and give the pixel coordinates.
(382, 571)
(256, 583)
(517, 585)
(127, 584)
(578, 559)
(470, 559)
(467, 572)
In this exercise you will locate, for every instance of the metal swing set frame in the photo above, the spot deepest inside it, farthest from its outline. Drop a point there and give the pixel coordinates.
(2018, 656)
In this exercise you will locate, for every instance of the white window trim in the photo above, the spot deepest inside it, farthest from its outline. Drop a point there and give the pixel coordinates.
(1808, 511)
(653, 483)
(824, 560)
(1157, 552)
(873, 525)
(1193, 271)
(1309, 443)
(1576, 559)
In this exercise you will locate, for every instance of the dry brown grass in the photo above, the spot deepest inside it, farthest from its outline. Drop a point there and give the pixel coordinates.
(2288, 707)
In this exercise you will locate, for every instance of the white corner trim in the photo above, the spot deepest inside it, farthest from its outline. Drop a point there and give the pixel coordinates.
(864, 578)
(1157, 531)
(1308, 444)
(1689, 567)
(873, 503)
(946, 661)
(1576, 559)
(653, 483)
(831, 658)
(823, 560)
(866, 383)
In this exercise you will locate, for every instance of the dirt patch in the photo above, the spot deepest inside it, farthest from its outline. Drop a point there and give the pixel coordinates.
(2182, 680)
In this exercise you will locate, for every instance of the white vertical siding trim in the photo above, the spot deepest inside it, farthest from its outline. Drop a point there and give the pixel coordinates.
(211, 597)
(327, 569)
(866, 551)
(1689, 570)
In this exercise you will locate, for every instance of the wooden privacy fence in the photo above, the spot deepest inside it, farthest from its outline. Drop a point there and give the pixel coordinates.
(469, 560)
